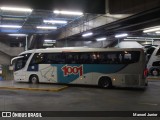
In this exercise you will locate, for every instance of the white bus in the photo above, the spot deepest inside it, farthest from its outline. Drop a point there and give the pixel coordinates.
(153, 58)
(93, 66)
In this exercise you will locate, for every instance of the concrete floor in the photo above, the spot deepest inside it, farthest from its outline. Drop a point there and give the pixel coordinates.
(83, 98)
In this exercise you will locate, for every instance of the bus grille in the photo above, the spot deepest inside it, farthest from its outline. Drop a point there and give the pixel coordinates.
(131, 80)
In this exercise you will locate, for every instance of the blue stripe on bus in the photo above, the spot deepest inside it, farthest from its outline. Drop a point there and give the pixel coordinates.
(87, 68)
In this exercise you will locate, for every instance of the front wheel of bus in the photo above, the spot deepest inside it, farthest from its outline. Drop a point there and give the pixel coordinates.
(33, 79)
(105, 82)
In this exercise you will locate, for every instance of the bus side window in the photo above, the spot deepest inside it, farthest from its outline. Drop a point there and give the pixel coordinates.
(51, 58)
(127, 56)
(120, 58)
(150, 50)
(130, 57)
(59, 58)
(69, 58)
(94, 57)
(102, 58)
(156, 63)
(75, 59)
(112, 58)
(85, 58)
(107, 58)
(38, 58)
(158, 52)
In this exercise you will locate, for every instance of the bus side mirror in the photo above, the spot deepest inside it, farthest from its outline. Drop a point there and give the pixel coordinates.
(11, 67)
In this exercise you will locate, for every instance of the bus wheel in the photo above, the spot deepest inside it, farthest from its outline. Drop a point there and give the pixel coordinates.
(105, 82)
(155, 72)
(33, 79)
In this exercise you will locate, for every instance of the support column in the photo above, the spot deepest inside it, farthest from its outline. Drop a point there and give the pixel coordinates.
(26, 47)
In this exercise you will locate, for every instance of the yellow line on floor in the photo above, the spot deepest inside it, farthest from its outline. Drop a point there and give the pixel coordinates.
(153, 78)
(149, 104)
(36, 89)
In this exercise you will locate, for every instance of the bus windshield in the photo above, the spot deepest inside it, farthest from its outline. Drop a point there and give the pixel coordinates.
(21, 62)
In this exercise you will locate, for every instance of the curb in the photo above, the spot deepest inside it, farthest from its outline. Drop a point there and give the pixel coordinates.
(153, 78)
(36, 89)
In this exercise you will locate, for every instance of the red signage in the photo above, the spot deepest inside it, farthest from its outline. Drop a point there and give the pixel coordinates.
(68, 70)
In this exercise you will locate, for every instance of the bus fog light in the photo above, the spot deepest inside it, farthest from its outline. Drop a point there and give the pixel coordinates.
(114, 79)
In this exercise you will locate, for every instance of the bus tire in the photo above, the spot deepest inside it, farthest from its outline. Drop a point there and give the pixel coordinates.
(33, 79)
(105, 82)
(155, 72)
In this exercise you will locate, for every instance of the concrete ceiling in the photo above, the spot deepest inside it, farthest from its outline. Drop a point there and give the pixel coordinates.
(29, 21)
(116, 20)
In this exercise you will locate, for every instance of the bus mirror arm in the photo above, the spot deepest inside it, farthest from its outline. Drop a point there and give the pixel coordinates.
(15, 58)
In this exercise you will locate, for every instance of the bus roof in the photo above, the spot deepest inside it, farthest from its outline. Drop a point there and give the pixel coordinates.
(79, 49)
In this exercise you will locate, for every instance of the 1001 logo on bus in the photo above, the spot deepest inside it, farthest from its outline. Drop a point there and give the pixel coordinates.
(68, 70)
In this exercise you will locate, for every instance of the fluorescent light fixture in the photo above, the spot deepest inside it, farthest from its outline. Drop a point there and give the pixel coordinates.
(152, 29)
(131, 39)
(10, 26)
(144, 38)
(158, 32)
(55, 21)
(16, 9)
(49, 45)
(50, 41)
(46, 27)
(87, 34)
(18, 35)
(136, 37)
(87, 42)
(67, 12)
(121, 35)
(101, 39)
(136, 40)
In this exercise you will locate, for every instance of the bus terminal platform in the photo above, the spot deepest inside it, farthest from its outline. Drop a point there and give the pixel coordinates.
(11, 84)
